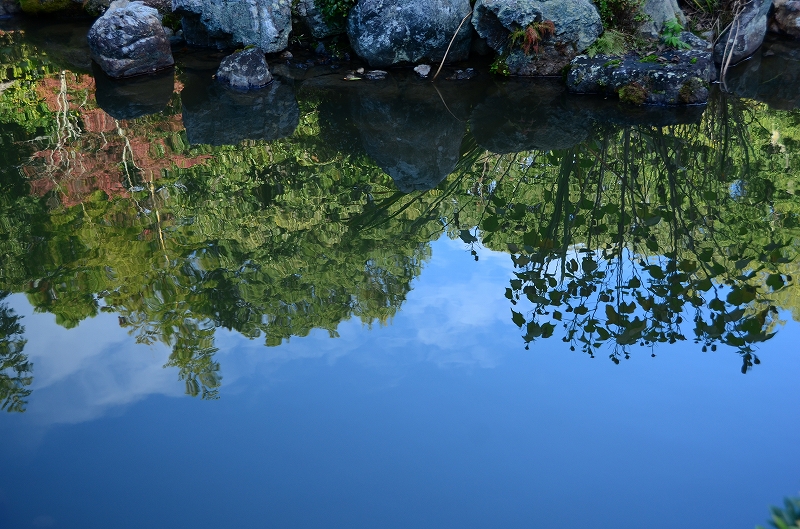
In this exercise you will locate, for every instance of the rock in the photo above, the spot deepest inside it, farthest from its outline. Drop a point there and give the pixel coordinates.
(245, 70)
(217, 115)
(658, 13)
(463, 75)
(135, 97)
(423, 70)
(785, 18)
(519, 115)
(695, 42)
(673, 78)
(129, 40)
(376, 75)
(315, 22)
(745, 34)
(230, 23)
(9, 8)
(387, 32)
(575, 26)
(98, 7)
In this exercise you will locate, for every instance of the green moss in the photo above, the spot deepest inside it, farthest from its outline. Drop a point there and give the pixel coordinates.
(649, 58)
(633, 93)
(46, 7)
(613, 62)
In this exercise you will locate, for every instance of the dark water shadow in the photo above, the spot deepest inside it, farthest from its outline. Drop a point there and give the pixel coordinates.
(771, 75)
(216, 115)
(411, 128)
(136, 96)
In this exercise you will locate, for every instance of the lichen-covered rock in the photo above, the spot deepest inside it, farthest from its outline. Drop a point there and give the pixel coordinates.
(387, 32)
(576, 25)
(745, 34)
(129, 40)
(658, 13)
(785, 18)
(672, 78)
(135, 97)
(314, 21)
(215, 114)
(245, 70)
(229, 23)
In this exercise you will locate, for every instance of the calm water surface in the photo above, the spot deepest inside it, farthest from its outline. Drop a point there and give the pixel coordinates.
(391, 304)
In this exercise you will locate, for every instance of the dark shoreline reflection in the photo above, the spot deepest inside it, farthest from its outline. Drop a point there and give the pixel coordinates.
(411, 128)
(214, 114)
(771, 75)
(134, 97)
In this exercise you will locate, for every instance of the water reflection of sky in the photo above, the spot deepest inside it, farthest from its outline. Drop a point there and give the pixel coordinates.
(440, 419)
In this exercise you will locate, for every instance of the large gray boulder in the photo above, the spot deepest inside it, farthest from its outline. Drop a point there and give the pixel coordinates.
(387, 32)
(245, 70)
(230, 23)
(129, 40)
(310, 16)
(745, 34)
(672, 78)
(785, 18)
(658, 13)
(576, 23)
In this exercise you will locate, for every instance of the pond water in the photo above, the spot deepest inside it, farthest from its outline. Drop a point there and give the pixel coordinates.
(392, 303)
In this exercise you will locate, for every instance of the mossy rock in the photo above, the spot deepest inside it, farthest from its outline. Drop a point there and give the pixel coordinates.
(633, 93)
(49, 7)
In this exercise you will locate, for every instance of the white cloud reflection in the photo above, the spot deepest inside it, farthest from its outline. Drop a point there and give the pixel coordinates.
(450, 319)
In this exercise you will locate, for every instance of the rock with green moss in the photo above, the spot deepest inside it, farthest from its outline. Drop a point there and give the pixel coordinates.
(675, 77)
(50, 7)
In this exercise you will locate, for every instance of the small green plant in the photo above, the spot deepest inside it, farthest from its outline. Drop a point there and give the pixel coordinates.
(613, 62)
(499, 66)
(671, 35)
(335, 11)
(530, 37)
(611, 42)
(624, 16)
(649, 58)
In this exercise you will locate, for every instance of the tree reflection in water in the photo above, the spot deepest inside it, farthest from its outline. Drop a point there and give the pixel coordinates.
(632, 235)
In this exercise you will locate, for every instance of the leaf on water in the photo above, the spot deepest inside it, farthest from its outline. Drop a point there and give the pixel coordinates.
(517, 318)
